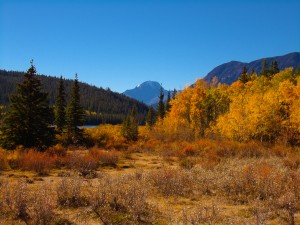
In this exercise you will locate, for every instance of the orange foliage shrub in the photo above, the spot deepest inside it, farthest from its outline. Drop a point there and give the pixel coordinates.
(3, 160)
(210, 160)
(14, 158)
(292, 162)
(107, 158)
(280, 151)
(57, 150)
(150, 144)
(188, 150)
(39, 162)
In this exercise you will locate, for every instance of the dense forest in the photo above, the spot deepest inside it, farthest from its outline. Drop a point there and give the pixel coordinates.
(263, 108)
(101, 105)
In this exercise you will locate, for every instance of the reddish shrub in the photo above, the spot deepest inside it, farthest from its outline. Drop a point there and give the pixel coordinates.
(106, 158)
(3, 161)
(187, 150)
(292, 162)
(252, 150)
(280, 151)
(210, 160)
(57, 150)
(39, 162)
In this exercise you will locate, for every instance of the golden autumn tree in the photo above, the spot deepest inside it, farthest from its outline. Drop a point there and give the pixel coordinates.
(262, 109)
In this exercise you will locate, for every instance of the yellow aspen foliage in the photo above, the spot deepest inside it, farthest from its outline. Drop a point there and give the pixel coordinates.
(264, 109)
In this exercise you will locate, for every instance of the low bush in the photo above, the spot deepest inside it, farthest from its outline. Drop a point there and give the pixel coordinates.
(188, 163)
(70, 192)
(292, 162)
(107, 136)
(106, 158)
(14, 159)
(3, 160)
(202, 215)
(16, 199)
(171, 182)
(57, 150)
(40, 162)
(43, 205)
(121, 200)
(82, 162)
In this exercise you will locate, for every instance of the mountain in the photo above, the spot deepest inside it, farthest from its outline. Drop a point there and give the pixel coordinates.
(108, 106)
(230, 72)
(146, 92)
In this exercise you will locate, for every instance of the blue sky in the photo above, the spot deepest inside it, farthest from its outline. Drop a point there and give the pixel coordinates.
(120, 44)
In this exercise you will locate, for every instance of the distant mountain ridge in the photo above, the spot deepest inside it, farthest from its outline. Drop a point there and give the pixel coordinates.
(229, 72)
(146, 92)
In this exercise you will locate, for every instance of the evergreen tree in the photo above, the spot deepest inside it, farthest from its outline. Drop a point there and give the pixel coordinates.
(161, 105)
(150, 118)
(297, 72)
(28, 121)
(168, 105)
(75, 114)
(130, 127)
(60, 106)
(244, 78)
(274, 68)
(264, 71)
(174, 93)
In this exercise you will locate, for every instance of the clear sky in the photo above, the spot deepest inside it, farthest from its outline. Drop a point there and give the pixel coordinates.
(120, 44)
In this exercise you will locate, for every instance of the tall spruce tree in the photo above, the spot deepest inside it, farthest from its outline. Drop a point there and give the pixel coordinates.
(297, 72)
(274, 68)
(264, 70)
(60, 106)
(161, 105)
(150, 121)
(130, 127)
(75, 114)
(168, 105)
(244, 78)
(174, 93)
(28, 121)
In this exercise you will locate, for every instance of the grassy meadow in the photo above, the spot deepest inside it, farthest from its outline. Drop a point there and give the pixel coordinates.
(152, 181)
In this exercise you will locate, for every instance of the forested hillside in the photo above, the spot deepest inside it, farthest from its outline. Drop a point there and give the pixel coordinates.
(229, 72)
(261, 108)
(103, 105)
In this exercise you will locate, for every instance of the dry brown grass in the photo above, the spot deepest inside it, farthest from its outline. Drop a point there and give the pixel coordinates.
(201, 182)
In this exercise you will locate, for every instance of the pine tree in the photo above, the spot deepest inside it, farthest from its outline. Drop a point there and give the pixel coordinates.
(264, 71)
(244, 78)
(161, 105)
(60, 106)
(28, 121)
(130, 127)
(297, 72)
(75, 114)
(273, 68)
(168, 105)
(174, 93)
(150, 118)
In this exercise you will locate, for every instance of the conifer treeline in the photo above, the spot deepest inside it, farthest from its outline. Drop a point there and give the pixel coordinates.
(28, 120)
(101, 105)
